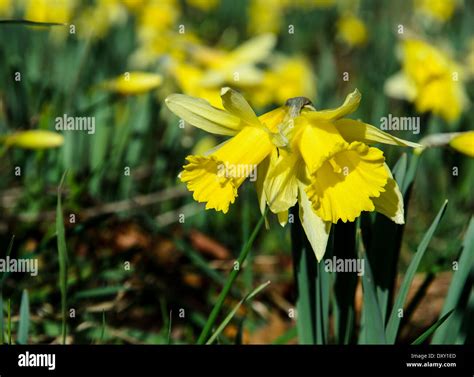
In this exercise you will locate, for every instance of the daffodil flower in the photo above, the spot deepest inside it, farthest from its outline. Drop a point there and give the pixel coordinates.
(332, 172)
(462, 142)
(318, 159)
(430, 79)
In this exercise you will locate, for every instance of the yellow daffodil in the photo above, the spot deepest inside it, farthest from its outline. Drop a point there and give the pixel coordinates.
(351, 30)
(95, 21)
(189, 79)
(329, 168)
(6, 7)
(295, 72)
(463, 142)
(316, 158)
(132, 83)
(49, 10)
(430, 79)
(436, 10)
(33, 139)
(237, 66)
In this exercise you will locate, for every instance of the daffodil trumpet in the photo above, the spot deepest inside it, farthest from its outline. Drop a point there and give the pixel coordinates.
(319, 159)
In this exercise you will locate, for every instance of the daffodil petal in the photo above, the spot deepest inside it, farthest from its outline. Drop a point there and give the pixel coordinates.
(317, 141)
(254, 50)
(399, 86)
(346, 183)
(201, 114)
(215, 178)
(464, 143)
(262, 171)
(390, 202)
(354, 130)
(236, 104)
(350, 105)
(273, 119)
(281, 185)
(317, 230)
(283, 217)
(200, 175)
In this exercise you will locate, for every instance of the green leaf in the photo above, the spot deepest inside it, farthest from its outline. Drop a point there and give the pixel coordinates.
(231, 315)
(24, 325)
(31, 23)
(373, 326)
(62, 257)
(449, 331)
(386, 236)
(394, 320)
(304, 266)
(421, 339)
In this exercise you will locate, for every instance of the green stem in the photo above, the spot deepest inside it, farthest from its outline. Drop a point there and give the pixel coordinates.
(304, 265)
(228, 285)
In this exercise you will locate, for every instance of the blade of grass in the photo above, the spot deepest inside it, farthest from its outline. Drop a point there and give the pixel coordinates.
(373, 326)
(387, 236)
(421, 339)
(102, 330)
(323, 286)
(24, 325)
(290, 334)
(304, 266)
(2, 279)
(394, 320)
(31, 23)
(230, 280)
(62, 257)
(9, 321)
(448, 332)
(229, 317)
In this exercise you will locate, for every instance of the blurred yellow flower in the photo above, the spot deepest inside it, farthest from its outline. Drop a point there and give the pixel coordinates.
(351, 30)
(189, 79)
(49, 10)
(132, 83)
(296, 74)
(437, 10)
(237, 66)
(430, 79)
(96, 20)
(464, 143)
(33, 139)
(6, 7)
(295, 154)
